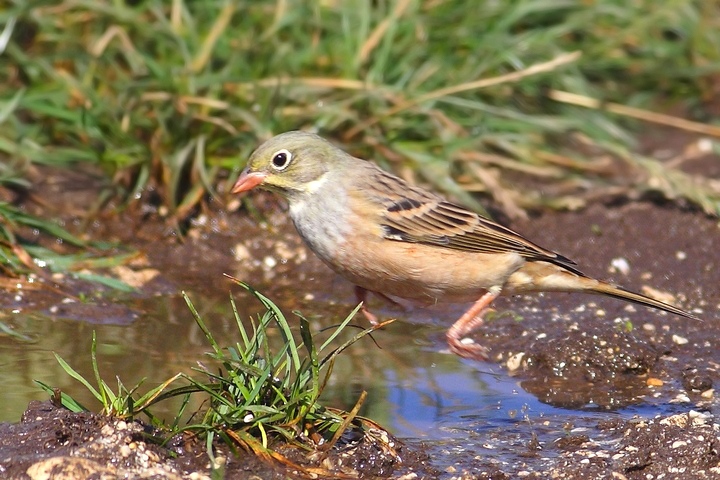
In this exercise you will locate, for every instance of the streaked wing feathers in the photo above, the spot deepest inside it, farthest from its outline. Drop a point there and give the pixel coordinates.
(414, 215)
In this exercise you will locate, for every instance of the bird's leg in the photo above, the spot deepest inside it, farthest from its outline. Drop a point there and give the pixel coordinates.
(361, 295)
(470, 320)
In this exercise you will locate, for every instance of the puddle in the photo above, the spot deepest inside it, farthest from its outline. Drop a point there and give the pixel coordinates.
(414, 388)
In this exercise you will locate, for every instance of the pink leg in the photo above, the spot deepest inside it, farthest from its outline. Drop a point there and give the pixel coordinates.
(361, 295)
(470, 320)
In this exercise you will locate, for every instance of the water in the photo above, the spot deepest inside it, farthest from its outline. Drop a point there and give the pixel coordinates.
(416, 389)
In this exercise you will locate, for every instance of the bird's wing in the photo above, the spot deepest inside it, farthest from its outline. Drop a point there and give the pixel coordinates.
(414, 215)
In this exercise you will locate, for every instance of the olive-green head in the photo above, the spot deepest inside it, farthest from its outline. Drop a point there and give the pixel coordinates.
(291, 164)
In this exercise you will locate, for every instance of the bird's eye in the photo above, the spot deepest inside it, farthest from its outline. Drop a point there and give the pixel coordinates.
(281, 160)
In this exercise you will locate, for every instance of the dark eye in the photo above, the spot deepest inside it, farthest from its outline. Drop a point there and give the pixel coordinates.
(281, 159)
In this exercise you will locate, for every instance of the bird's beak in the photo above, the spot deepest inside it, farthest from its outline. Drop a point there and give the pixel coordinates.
(248, 181)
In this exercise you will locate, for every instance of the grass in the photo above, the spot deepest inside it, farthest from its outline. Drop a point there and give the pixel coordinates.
(169, 98)
(259, 394)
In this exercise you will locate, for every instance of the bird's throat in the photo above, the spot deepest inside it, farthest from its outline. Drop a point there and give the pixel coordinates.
(314, 186)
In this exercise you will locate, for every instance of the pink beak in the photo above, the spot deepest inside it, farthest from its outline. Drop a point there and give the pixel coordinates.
(248, 181)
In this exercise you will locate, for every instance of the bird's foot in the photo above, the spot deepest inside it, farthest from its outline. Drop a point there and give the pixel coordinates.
(467, 348)
(471, 320)
(371, 317)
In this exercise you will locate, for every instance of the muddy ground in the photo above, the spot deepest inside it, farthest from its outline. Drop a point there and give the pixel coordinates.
(568, 352)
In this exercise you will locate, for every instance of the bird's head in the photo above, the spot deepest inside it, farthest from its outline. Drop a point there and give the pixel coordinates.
(291, 164)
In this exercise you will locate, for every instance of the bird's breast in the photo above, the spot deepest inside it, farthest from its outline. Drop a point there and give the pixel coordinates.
(322, 225)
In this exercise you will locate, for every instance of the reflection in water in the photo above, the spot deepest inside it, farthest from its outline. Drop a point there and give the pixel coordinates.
(415, 389)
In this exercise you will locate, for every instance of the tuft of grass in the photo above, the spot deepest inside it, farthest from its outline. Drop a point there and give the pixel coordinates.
(18, 255)
(14, 255)
(257, 394)
(119, 403)
(168, 97)
(261, 395)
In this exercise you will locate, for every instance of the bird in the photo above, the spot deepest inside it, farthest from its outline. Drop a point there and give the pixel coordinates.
(394, 239)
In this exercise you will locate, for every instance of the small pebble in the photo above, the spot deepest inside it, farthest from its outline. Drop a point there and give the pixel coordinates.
(705, 145)
(269, 262)
(200, 221)
(125, 451)
(620, 265)
(241, 252)
(408, 476)
(680, 398)
(654, 382)
(233, 205)
(515, 361)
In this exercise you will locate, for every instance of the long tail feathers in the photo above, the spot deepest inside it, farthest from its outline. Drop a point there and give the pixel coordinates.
(608, 289)
(544, 276)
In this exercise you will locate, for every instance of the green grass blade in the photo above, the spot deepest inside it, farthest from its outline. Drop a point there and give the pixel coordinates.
(65, 400)
(340, 328)
(74, 374)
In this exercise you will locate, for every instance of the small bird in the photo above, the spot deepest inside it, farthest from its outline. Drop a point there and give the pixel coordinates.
(395, 239)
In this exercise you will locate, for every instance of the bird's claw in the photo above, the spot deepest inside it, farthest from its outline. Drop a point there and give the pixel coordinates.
(468, 348)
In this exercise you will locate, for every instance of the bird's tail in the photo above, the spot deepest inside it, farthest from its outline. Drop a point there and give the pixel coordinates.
(604, 288)
(546, 277)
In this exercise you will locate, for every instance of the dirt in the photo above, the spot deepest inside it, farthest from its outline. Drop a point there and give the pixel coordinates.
(571, 351)
(52, 442)
(617, 347)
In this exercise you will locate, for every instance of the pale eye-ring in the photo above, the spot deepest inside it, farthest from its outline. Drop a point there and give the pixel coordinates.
(281, 160)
